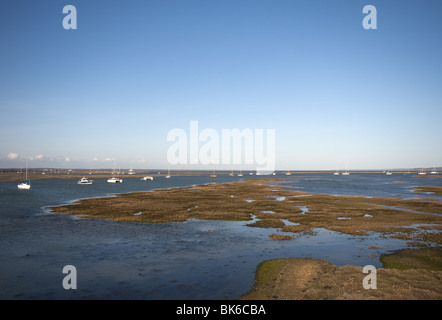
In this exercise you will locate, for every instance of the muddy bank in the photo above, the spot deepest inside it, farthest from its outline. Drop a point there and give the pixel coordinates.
(290, 210)
(415, 275)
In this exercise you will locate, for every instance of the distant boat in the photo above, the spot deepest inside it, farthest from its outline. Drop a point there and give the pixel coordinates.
(85, 181)
(346, 173)
(114, 179)
(434, 171)
(131, 171)
(168, 173)
(147, 178)
(25, 184)
(421, 172)
(336, 173)
(388, 173)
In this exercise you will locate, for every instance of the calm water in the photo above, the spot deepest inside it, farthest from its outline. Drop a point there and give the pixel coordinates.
(116, 260)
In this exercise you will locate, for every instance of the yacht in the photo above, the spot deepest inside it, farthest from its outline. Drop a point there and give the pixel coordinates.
(388, 173)
(85, 181)
(114, 179)
(25, 184)
(147, 178)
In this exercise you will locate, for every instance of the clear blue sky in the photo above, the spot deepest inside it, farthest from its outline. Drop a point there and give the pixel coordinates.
(336, 94)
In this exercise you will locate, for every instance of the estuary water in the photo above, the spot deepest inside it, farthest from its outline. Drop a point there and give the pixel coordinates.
(195, 259)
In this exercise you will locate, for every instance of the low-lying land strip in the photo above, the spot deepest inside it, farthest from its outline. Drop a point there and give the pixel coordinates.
(412, 274)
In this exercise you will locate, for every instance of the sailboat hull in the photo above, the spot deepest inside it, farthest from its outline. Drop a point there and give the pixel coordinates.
(24, 186)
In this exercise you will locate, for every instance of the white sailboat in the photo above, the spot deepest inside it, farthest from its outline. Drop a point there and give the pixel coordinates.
(434, 170)
(346, 173)
(168, 173)
(421, 172)
(25, 184)
(114, 179)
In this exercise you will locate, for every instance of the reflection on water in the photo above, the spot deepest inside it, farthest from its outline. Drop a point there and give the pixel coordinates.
(189, 260)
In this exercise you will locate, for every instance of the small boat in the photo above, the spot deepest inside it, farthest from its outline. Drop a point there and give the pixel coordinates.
(422, 172)
(212, 175)
(388, 173)
(346, 173)
(85, 181)
(114, 179)
(434, 171)
(25, 184)
(147, 178)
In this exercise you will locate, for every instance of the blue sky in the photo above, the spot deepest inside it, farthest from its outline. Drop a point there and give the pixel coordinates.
(336, 94)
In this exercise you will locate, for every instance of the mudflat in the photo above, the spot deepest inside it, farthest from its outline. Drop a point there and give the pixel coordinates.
(415, 275)
(417, 220)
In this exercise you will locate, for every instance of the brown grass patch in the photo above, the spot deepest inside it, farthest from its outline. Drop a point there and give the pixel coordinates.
(409, 275)
(226, 201)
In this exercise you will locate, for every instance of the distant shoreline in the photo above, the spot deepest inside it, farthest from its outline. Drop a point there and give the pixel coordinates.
(14, 175)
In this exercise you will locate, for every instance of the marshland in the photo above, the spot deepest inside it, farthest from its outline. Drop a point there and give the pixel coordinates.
(198, 237)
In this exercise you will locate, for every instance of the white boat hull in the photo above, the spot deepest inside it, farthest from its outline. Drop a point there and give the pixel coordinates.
(85, 181)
